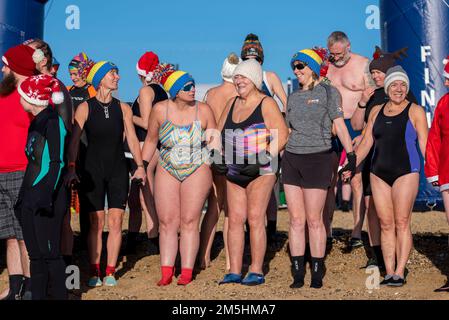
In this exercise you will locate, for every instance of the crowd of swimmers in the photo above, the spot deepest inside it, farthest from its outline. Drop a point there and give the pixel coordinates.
(168, 154)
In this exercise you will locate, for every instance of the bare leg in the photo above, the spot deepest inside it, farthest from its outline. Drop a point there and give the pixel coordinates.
(314, 200)
(358, 209)
(215, 203)
(13, 261)
(258, 193)
(25, 259)
(329, 207)
(97, 220)
(404, 193)
(115, 220)
(373, 222)
(237, 202)
(147, 200)
(194, 191)
(297, 225)
(384, 207)
(168, 206)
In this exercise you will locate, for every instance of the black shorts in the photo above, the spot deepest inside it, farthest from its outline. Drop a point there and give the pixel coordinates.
(96, 187)
(308, 171)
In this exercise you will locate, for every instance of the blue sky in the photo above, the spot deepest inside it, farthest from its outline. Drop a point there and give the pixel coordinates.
(198, 34)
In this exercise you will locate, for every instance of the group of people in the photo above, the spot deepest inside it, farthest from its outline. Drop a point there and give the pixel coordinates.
(168, 154)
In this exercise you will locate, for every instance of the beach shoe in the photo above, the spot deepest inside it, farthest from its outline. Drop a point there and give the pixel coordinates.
(355, 243)
(94, 282)
(388, 278)
(253, 279)
(110, 281)
(396, 281)
(231, 278)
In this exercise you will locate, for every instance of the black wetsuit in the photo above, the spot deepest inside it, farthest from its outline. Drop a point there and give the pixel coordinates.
(395, 146)
(39, 208)
(141, 133)
(105, 171)
(378, 98)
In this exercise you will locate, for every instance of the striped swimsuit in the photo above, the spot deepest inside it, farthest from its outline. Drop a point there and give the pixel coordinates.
(182, 149)
(245, 139)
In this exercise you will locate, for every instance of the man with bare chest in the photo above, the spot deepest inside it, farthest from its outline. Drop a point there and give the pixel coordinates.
(349, 73)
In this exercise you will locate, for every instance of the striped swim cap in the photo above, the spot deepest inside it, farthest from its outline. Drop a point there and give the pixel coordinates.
(309, 57)
(98, 71)
(176, 81)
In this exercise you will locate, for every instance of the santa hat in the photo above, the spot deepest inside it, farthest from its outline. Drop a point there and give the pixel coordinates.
(446, 67)
(41, 90)
(20, 60)
(146, 65)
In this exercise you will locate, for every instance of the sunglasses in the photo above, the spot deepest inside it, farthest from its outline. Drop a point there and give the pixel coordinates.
(188, 87)
(299, 66)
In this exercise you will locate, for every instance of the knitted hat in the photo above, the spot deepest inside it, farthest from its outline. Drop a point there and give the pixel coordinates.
(229, 65)
(310, 58)
(252, 70)
(98, 71)
(324, 55)
(146, 65)
(41, 90)
(396, 73)
(446, 67)
(252, 47)
(82, 64)
(383, 61)
(20, 60)
(176, 81)
(162, 72)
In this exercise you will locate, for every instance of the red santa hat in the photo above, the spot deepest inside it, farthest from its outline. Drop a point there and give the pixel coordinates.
(20, 59)
(146, 65)
(41, 90)
(446, 67)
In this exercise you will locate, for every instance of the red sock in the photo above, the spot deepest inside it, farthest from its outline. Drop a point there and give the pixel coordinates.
(95, 270)
(186, 276)
(167, 275)
(110, 270)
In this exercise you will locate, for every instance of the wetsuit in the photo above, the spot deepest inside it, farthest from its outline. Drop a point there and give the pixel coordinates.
(105, 171)
(246, 139)
(38, 209)
(141, 133)
(378, 98)
(182, 151)
(395, 150)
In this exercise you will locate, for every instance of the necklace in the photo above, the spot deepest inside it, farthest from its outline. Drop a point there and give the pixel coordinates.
(105, 108)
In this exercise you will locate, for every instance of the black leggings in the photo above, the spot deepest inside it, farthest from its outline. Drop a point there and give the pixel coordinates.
(42, 235)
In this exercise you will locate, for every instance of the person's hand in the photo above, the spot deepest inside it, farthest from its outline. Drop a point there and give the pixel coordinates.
(217, 161)
(139, 176)
(366, 95)
(255, 163)
(349, 170)
(71, 178)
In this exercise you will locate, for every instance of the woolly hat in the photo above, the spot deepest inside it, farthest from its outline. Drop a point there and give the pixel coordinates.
(252, 70)
(41, 90)
(20, 60)
(82, 64)
(396, 73)
(146, 65)
(324, 55)
(252, 47)
(98, 71)
(446, 67)
(229, 65)
(162, 72)
(176, 81)
(310, 58)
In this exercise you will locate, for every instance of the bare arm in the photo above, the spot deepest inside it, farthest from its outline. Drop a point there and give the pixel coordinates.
(278, 89)
(152, 138)
(276, 124)
(146, 97)
(368, 140)
(133, 142)
(211, 135)
(343, 134)
(420, 124)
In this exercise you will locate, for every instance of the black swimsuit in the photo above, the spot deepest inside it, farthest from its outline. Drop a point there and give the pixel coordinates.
(395, 150)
